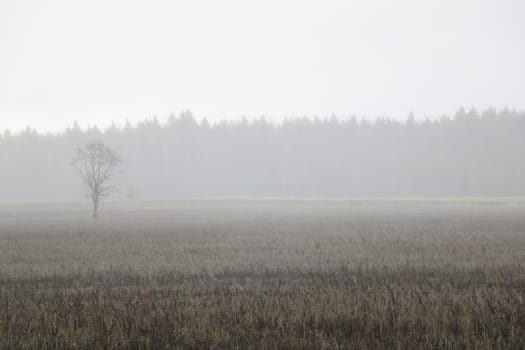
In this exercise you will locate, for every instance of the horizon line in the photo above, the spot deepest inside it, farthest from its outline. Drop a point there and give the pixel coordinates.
(200, 120)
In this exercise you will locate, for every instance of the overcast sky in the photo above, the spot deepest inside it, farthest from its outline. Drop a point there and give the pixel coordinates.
(101, 60)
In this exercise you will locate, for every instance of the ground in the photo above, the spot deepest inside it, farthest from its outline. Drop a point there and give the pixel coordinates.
(264, 273)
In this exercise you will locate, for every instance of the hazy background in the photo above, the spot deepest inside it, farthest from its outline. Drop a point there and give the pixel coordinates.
(472, 153)
(97, 61)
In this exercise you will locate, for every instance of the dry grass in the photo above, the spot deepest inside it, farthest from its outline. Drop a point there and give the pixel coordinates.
(263, 274)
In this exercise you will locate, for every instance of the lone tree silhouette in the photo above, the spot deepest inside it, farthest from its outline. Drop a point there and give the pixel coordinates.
(97, 165)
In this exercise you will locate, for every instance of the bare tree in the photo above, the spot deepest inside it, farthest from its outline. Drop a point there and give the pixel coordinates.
(97, 165)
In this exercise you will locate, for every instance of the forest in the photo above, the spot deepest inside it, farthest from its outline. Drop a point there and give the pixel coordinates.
(472, 153)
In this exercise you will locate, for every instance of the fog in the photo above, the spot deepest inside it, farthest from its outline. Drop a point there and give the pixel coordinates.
(262, 174)
(290, 98)
(468, 154)
(99, 61)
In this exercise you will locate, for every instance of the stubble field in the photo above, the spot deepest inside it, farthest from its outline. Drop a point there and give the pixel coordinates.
(263, 274)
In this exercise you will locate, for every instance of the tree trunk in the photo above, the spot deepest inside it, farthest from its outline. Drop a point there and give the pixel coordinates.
(95, 208)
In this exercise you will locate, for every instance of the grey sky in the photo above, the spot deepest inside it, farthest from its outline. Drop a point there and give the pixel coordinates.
(97, 61)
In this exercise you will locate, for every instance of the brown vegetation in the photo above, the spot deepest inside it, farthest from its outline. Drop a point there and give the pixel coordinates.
(263, 274)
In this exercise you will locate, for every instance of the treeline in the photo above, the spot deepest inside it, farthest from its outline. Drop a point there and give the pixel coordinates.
(468, 154)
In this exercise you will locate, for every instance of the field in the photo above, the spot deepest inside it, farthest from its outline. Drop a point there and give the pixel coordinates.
(264, 274)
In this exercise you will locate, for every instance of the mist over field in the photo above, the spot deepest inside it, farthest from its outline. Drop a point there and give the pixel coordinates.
(469, 154)
(277, 174)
